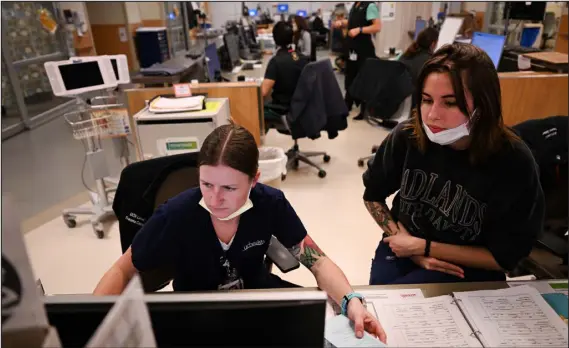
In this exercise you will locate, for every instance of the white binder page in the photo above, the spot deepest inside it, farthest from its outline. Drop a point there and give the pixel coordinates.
(513, 317)
(429, 322)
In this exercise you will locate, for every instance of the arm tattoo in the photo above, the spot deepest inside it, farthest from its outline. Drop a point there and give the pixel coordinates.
(381, 214)
(307, 252)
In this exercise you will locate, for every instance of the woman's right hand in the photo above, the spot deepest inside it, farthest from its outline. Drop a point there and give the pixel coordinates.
(432, 264)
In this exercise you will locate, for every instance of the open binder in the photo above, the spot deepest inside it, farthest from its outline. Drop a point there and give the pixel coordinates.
(513, 317)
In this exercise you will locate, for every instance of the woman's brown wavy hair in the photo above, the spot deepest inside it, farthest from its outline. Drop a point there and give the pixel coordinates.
(468, 67)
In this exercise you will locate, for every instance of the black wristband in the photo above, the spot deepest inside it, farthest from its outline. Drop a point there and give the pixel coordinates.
(361, 30)
(427, 248)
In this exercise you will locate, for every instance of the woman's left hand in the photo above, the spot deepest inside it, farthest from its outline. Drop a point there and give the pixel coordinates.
(354, 32)
(363, 320)
(403, 244)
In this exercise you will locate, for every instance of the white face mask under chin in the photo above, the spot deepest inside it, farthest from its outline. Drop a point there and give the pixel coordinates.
(246, 206)
(448, 136)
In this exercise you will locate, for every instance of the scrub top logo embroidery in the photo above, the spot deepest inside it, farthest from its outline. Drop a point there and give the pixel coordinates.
(253, 244)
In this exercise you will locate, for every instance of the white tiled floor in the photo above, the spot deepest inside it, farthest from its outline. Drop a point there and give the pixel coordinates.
(73, 260)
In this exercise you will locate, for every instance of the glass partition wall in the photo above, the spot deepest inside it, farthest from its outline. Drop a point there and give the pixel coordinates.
(27, 99)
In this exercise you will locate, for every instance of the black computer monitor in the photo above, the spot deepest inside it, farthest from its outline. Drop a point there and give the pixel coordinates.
(231, 42)
(213, 63)
(267, 318)
(523, 10)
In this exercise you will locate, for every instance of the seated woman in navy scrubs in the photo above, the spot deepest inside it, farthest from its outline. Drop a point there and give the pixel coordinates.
(216, 236)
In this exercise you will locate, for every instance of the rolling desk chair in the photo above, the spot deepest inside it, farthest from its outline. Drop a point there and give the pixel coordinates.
(176, 174)
(294, 155)
(386, 87)
(383, 85)
(317, 105)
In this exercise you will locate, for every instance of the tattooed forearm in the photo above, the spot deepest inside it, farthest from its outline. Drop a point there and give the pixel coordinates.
(381, 214)
(307, 252)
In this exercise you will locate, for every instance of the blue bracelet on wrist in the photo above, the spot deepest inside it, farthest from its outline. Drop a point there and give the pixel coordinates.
(346, 299)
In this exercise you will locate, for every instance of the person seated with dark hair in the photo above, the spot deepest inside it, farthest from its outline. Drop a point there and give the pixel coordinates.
(469, 202)
(420, 51)
(417, 55)
(282, 72)
(215, 236)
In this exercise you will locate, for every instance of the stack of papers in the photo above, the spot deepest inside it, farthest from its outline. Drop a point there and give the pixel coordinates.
(162, 104)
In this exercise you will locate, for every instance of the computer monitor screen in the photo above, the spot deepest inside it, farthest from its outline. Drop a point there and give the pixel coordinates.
(81, 75)
(231, 42)
(213, 64)
(448, 31)
(523, 10)
(253, 12)
(492, 44)
(529, 36)
(282, 8)
(302, 13)
(420, 24)
(246, 319)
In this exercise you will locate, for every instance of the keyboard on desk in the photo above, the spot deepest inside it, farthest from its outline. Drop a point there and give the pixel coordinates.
(522, 49)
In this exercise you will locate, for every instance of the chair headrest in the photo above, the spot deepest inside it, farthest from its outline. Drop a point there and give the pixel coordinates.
(176, 182)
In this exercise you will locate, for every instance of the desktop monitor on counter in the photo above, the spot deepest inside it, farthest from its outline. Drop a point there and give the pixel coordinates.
(420, 24)
(448, 31)
(302, 13)
(212, 61)
(246, 319)
(492, 44)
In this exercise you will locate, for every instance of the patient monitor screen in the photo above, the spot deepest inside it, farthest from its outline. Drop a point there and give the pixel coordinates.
(81, 75)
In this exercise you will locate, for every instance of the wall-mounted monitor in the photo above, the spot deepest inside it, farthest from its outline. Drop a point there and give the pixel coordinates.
(76, 76)
(302, 13)
(523, 10)
(282, 8)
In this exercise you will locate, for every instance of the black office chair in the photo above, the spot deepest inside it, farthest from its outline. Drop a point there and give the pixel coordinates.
(383, 85)
(403, 113)
(386, 87)
(547, 138)
(178, 180)
(327, 99)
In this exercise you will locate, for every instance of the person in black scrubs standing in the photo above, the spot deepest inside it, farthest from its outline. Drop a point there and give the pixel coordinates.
(363, 21)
